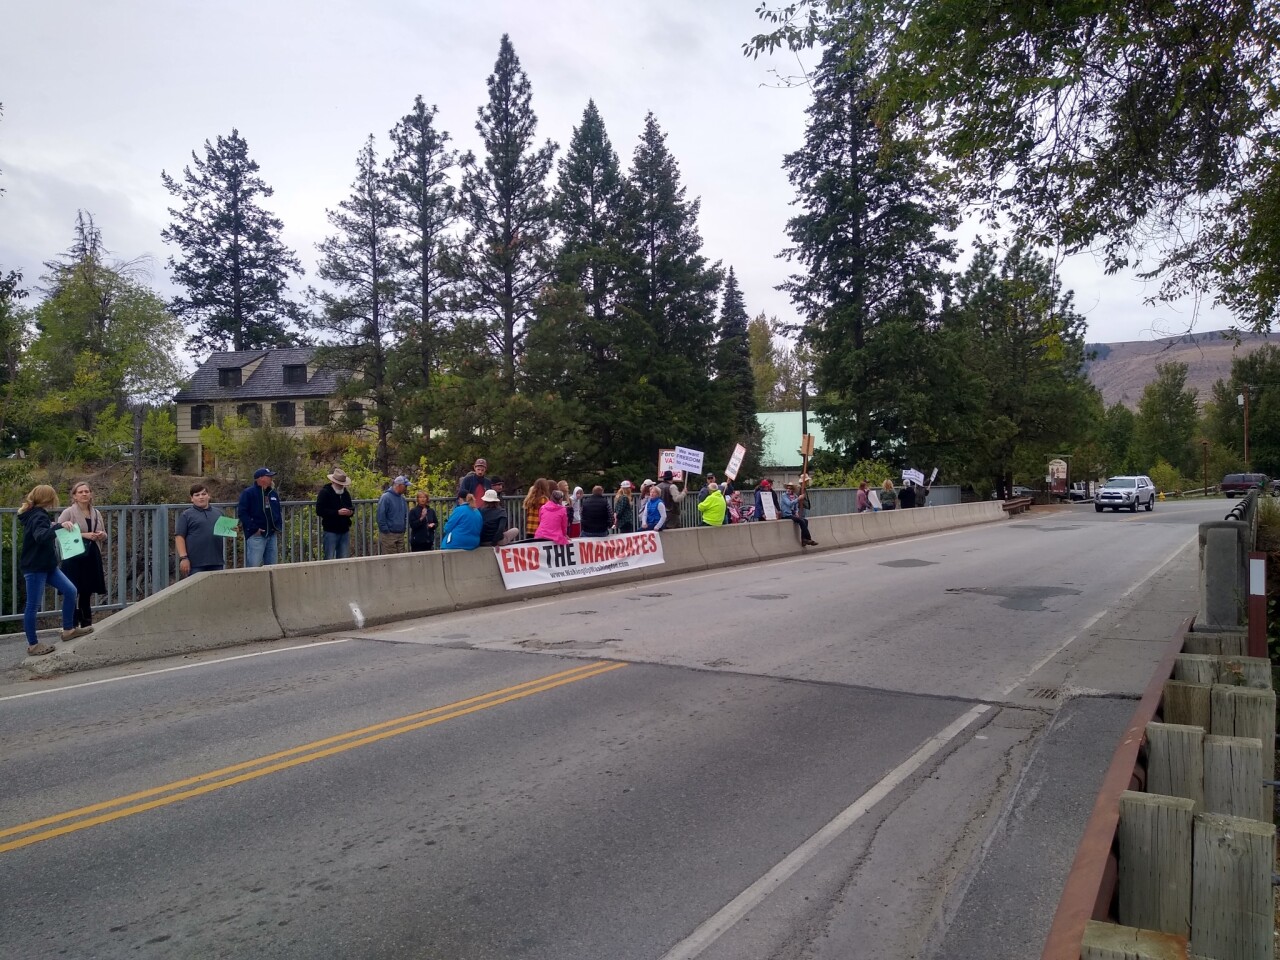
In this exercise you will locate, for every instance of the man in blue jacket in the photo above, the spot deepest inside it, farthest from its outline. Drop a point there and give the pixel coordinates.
(258, 513)
(393, 517)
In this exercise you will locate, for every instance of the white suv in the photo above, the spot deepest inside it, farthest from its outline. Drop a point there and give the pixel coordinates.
(1126, 492)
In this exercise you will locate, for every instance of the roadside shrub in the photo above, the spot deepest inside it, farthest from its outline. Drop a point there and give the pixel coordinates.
(1166, 478)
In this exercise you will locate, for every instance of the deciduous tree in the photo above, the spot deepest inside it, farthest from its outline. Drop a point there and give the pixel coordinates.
(1167, 420)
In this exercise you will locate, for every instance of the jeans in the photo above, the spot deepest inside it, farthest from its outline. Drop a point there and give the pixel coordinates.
(36, 582)
(337, 546)
(260, 550)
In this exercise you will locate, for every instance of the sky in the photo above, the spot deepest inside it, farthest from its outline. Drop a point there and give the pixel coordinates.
(99, 98)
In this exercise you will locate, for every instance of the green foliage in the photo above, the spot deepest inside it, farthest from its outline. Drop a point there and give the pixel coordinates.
(874, 472)
(1166, 478)
(1224, 416)
(160, 447)
(734, 376)
(1167, 420)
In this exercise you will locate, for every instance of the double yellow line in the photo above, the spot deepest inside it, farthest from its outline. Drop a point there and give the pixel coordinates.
(91, 816)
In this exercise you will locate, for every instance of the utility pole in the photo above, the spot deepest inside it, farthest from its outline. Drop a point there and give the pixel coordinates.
(1204, 446)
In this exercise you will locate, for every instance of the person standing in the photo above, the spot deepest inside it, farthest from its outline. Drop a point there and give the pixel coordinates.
(85, 571)
(888, 496)
(422, 524)
(393, 517)
(335, 509)
(38, 562)
(597, 514)
(671, 497)
(258, 513)
(712, 507)
(574, 507)
(864, 498)
(792, 508)
(653, 512)
(553, 519)
(197, 547)
(624, 510)
(539, 493)
(907, 498)
(475, 482)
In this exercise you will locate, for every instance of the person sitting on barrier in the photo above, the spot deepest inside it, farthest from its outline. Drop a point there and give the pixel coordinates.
(793, 508)
(495, 531)
(888, 496)
(553, 520)
(653, 513)
(597, 513)
(539, 493)
(737, 512)
(624, 511)
(712, 507)
(422, 524)
(198, 549)
(38, 562)
(462, 529)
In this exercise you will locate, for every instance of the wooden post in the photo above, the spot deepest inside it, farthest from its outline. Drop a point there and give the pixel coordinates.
(1220, 643)
(1252, 672)
(1187, 703)
(1110, 941)
(1233, 775)
(1246, 712)
(1231, 906)
(1155, 862)
(1175, 763)
(1196, 668)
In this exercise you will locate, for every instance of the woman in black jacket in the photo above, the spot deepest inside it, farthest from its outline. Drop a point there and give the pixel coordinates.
(39, 565)
(422, 524)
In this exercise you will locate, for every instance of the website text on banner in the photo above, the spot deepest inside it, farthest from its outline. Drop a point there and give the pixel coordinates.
(687, 459)
(533, 564)
(667, 461)
(735, 462)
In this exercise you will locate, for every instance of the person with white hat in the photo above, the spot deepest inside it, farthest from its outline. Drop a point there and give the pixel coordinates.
(624, 511)
(495, 531)
(335, 509)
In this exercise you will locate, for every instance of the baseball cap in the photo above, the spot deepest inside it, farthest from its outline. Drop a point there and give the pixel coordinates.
(480, 462)
(400, 479)
(625, 485)
(263, 472)
(492, 496)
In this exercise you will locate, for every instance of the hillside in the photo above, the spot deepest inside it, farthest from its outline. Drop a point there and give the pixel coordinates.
(1120, 371)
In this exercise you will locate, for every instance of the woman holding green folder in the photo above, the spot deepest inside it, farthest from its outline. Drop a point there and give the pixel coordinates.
(39, 565)
(85, 569)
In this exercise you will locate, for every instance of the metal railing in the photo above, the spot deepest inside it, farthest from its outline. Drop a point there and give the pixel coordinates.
(139, 559)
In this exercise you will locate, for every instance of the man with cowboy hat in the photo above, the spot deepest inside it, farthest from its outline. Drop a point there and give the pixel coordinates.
(335, 510)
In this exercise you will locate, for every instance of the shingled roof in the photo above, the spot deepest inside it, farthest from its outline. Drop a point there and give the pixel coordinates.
(265, 383)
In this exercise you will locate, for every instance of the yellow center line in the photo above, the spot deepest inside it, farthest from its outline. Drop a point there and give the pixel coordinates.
(331, 745)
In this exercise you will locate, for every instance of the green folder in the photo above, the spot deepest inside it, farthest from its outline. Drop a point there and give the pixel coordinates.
(70, 542)
(224, 527)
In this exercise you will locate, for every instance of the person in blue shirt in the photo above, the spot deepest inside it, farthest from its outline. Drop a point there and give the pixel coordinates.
(393, 517)
(462, 529)
(258, 513)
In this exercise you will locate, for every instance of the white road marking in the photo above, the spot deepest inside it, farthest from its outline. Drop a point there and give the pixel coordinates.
(185, 666)
(737, 908)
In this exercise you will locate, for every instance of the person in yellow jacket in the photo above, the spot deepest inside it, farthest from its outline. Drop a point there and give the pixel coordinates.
(712, 507)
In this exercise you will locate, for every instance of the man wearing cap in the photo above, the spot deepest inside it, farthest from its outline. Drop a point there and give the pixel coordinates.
(393, 517)
(726, 491)
(335, 509)
(475, 482)
(495, 531)
(671, 496)
(260, 519)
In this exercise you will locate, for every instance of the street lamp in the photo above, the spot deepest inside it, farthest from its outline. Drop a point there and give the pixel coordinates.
(1242, 400)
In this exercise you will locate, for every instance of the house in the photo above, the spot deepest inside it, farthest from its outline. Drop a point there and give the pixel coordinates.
(780, 459)
(282, 386)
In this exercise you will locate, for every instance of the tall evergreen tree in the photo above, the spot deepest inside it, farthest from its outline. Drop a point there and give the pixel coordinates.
(360, 261)
(232, 263)
(1167, 421)
(867, 235)
(505, 260)
(673, 298)
(733, 368)
(423, 210)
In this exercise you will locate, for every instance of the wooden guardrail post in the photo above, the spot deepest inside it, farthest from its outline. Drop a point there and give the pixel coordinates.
(1233, 777)
(1155, 862)
(1108, 941)
(1187, 703)
(1246, 712)
(1232, 916)
(1175, 761)
(1196, 668)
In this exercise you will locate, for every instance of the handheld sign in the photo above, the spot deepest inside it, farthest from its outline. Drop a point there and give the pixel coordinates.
(70, 542)
(770, 511)
(224, 527)
(915, 476)
(687, 459)
(933, 476)
(667, 461)
(873, 496)
(735, 462)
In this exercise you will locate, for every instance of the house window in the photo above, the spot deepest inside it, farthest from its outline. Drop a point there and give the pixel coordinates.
(201, 416)
(228, 376)
(284, 413)
(295, 373)
(252, 412)
(316, 413)
(355, 414)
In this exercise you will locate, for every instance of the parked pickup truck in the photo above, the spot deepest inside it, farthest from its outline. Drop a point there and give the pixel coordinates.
(1238, 484)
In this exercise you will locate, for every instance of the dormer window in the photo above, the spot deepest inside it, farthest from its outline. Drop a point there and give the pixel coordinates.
(228, 376)
(295, 373)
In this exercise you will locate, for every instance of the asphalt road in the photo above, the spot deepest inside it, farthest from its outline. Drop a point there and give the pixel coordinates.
(811, 758)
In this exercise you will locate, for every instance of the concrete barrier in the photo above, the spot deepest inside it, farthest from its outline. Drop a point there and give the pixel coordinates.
(680, 552)
(473, 579)
(726, 546)
(823, 530)
(775, 538)
(203, 612)
(323, 596)
(855, 529)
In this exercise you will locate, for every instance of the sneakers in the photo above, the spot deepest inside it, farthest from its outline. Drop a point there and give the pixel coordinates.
(39, 649)
(76, 632)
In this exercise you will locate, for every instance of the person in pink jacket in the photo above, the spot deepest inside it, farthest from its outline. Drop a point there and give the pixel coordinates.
(553, 520)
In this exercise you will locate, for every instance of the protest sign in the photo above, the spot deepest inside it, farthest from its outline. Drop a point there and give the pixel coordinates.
(70, 542)
(873, 497)
(914, 476)
(735, 462)
(690, 460)
(766, 504)
(667, 461)
(225, 527)
(531, 564)
(933, 476)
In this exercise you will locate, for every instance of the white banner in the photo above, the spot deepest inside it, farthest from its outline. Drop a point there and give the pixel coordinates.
(690, 460)
(735, 462)
(529, 564)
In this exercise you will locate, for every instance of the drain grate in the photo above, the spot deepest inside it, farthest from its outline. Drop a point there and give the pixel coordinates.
(1045, 693)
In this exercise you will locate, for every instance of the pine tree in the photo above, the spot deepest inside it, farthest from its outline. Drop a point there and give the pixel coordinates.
(355, 318)
(734, 374)
(672, 295)
(232, 263)
(505, 261)
(867, 235)
(423, 210)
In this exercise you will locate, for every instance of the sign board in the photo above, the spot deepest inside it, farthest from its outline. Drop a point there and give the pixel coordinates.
(531, 564)
(767, 505)
(225, 527)
(690, 460)
(933, 476)
(667, 461)
(806, 445)
(1057, 469)
(735, 462)
(70, 542)
(873, 496)
(913, 476)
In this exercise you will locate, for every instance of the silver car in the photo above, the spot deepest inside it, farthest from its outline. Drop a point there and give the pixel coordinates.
(1130, 492)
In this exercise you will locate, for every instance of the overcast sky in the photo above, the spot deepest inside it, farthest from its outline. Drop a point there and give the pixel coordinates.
(100, 97)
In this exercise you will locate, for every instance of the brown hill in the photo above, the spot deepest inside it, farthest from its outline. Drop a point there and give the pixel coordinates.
(1121, 371)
